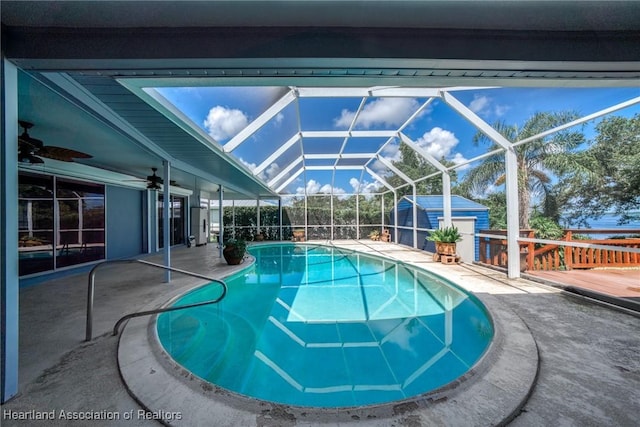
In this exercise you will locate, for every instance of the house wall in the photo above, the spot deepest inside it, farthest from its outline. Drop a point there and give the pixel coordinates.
(124, 222)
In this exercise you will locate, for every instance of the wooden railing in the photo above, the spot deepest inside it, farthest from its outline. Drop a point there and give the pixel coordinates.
(555, 256)
(493, 251)
(592, 258)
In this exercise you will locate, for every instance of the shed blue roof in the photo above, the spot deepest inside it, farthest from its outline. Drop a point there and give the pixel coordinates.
(457, 203)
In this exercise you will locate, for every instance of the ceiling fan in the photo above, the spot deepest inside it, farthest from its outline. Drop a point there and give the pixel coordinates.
(30, 150)
(154, 182)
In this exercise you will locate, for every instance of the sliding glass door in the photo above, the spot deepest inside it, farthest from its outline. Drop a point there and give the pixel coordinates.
(177, 220)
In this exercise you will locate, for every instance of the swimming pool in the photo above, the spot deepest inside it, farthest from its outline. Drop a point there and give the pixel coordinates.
(319, 326)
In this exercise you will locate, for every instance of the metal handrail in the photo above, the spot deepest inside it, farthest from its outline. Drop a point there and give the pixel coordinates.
(91, 293)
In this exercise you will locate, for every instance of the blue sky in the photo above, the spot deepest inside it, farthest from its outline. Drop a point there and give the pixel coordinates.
(224, 111)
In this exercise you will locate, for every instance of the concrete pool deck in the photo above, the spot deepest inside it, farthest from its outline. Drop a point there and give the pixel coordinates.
(589, 373)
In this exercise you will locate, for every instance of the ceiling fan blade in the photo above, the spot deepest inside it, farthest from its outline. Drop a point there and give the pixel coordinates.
(62, 154)
(55, 156)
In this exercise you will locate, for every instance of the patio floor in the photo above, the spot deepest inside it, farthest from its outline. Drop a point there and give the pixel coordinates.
(587, 375)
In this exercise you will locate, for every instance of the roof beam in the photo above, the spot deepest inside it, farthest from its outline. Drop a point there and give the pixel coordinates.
(379, 179)
(394, 169)
(364, 92)
(279, 152)
(584, 119)
(290, 180)
(329, 168)
(416, 114)
(348, 134)
(351, 126)
(284, 171)
(255, 125)
(339, 156)
(405, 124)
(475, 120)
(421, 151)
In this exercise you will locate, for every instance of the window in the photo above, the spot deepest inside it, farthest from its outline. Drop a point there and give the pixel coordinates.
(80, 231)
(61, 222)
(35, 223)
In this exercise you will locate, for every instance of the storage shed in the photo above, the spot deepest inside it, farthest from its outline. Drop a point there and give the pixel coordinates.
(467, 215)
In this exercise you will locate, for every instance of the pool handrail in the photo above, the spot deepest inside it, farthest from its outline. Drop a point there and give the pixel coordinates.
(91, 293)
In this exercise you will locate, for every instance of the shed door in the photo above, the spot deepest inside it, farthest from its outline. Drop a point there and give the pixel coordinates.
(467, 247)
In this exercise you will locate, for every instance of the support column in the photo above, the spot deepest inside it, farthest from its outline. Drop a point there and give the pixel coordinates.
(382, 211)
(513, 226)
(220, 221)
(331, 213)
(395, 215)
(258, 215)
(358, 216)
(166, 232)
(446, 198)
(9, 231)
(306, 217)
(415, 217)
(280, 217)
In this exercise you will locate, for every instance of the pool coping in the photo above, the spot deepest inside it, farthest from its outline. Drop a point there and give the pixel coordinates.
(492, 392)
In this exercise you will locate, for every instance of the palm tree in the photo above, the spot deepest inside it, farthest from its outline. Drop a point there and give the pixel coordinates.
(538, 160)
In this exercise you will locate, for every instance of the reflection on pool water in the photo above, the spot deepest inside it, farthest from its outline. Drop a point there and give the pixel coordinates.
(324, 327)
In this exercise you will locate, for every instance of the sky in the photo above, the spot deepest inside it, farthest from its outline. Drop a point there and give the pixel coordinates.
(222, 112)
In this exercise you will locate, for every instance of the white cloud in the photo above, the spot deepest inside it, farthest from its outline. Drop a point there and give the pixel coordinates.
(440, 143)
(486, 107)
(365, 186)
(271, 171)
(500, 110)
(277, 120)
(314, 187)
(459, 158)
(222, 123)
(251, 166)
(390, 152)
(355, 184)
(480, 104)
(382, 111)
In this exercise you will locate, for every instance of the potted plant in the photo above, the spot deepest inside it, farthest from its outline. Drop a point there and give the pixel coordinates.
(259, 237)
(374, 235)
(445, 239)
(234, 250)
(298, 235)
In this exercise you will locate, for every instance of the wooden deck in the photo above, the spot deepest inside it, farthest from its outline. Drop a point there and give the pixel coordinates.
(620, 283)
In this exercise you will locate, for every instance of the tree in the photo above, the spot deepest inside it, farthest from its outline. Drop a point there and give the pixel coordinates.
(609, 177)
(538, 160)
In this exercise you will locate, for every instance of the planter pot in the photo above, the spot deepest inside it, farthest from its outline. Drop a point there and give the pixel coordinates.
(445, 248)
(259, 237)
(230, 257)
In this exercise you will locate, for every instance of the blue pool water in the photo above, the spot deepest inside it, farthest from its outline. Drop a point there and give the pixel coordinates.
(323, 327)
